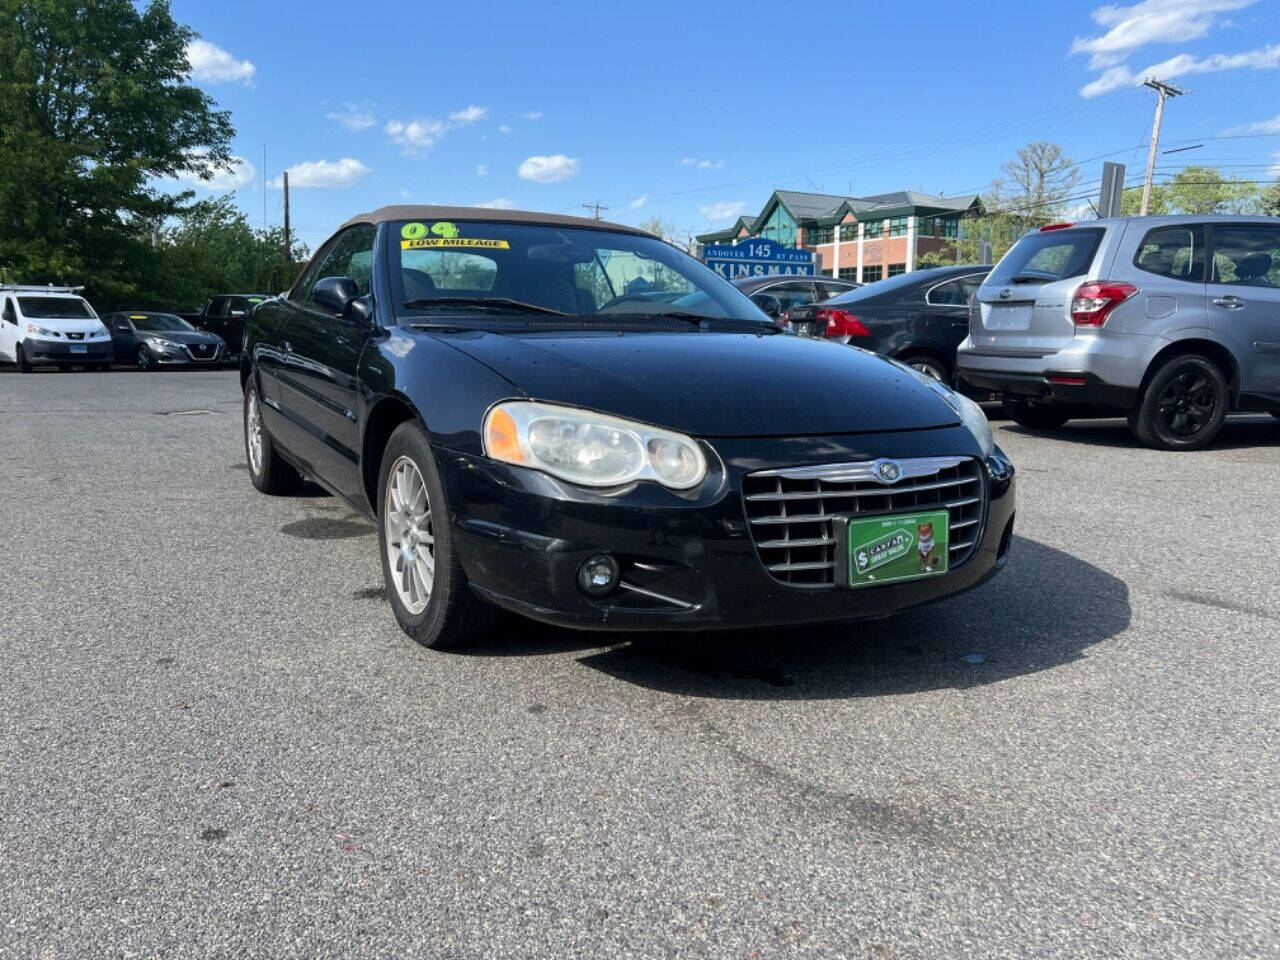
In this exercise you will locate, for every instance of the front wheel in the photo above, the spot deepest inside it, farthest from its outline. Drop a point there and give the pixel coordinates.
(1183, 406)
(930, 366)
(1036, 416)
(20, 357)
(426, 586)
(146, 362)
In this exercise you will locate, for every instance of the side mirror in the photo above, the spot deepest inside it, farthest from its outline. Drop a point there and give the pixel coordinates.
(770, 304)
(341, 296)
(123, 326)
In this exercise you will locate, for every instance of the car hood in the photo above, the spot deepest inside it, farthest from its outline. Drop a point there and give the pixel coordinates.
(713, 384)
(182, 336)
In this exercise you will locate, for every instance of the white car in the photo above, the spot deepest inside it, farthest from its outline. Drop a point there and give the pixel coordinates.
(51, 325)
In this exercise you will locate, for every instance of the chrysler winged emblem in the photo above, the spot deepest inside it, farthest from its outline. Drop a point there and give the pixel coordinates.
(888, 471)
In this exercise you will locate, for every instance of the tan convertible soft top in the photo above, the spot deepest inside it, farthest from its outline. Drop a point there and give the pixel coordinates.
(411, 211)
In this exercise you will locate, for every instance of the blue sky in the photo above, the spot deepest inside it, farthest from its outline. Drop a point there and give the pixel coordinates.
(693, 112)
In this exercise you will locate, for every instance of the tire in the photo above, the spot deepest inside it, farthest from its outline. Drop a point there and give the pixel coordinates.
(146, 363)
(270, 473)
(1183, 406)
(20, 358)
(1036, 416)
(929, 365)
(1275, 413)
(450, 615)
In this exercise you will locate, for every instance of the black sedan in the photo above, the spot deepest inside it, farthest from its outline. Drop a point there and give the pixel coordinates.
(779, 292)
(918, 318)
(156, 340)
(529, 435)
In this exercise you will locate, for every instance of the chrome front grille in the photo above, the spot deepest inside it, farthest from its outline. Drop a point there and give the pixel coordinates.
(790, 511)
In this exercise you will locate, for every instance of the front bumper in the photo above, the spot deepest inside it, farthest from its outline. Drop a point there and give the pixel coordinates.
(49, 351)
(688, 560)
(186, 356)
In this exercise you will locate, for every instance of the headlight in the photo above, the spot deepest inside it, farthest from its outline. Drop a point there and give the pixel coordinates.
(41, 331)
(971, 416)
(163, 344)
(592, 449)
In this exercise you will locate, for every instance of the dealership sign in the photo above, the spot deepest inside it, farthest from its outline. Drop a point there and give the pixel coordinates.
(757, 258)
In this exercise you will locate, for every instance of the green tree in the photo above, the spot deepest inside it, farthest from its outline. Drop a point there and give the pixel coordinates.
(1269, 200)
(1195, 190)
(95, 108)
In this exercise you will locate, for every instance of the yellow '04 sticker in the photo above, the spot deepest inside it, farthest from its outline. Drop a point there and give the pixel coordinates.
(453, 242)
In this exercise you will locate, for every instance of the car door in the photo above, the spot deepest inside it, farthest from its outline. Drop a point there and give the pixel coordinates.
(947, 309)
(214, 318)
(8, 330)
(318, 366)
(1244, 301)
(232, 331)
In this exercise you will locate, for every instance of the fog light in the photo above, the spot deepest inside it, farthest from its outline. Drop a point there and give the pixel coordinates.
(599, 575)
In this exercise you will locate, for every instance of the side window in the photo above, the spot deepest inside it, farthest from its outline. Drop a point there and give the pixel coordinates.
(949, 294)
(828, 290)
(238, 305)
(349, 254)
(1176, 252)
(1247, 255)
(969, 286)
(592, 283)
(217, 307)
(795, 293)
(8, 314)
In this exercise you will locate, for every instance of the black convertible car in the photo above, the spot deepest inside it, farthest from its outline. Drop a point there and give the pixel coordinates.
(528, 434)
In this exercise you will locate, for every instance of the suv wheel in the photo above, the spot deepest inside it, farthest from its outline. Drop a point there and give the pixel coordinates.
(1036, 416)
(930, 366)
(1183, 405)
(268, 470)
(428, 591)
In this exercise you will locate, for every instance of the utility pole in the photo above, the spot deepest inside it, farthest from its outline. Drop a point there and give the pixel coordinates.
(596, 207)
(288, 247)
(1164, 92)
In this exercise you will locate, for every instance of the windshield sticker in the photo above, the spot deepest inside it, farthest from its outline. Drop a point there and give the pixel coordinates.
(413, 231)
(454, 243)
(137, 316)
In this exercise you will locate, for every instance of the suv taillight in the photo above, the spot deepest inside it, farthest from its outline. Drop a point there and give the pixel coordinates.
(1094, 301)
(842, 323)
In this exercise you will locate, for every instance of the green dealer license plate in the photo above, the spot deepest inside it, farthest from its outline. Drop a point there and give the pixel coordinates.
(906, 546)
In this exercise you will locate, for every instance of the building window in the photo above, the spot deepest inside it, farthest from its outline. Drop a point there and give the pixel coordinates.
(816, 235)
(872, 229)
(872, 274)
(897, 268)
(950, 226)
(826, 272)
(848, 231)
(849, 273)
(898, 227)
(926, 226)
(779, 228)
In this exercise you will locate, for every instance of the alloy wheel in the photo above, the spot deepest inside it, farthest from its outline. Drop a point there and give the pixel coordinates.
(409, 535)
(930, 369)
(253, 425)
(1187, 403)
(144, 359)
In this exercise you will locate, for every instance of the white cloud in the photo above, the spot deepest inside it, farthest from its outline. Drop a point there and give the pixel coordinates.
(504, 128)
(1151, 21)
(324, 173)
(638, 202)
(1262, 126)
(498, 203)
(482, 170)
(1184, 64)
(701, 164)
(415, 136)
(406, 194)
(469, 115)
(548, 169)
(532, 115)
(724, 210)
(212, 64)
(354, 116)
(241, 174)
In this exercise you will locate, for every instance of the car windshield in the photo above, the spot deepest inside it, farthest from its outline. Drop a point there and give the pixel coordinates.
(878, 288)
(54, 308)
(155, 322)
(477, 268)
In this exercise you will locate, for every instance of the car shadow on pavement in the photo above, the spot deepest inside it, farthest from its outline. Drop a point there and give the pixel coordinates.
(1239, 432)
(1047, 609)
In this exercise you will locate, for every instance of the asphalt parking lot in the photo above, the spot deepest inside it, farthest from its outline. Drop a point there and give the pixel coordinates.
(214, 741)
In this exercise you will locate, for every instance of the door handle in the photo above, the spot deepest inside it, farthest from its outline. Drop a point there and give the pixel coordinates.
(1231, 303)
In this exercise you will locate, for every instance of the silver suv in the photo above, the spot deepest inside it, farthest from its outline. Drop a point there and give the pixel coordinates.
(1173, 320)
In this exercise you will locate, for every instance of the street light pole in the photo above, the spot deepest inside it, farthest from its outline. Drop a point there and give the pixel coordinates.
(1164, 91)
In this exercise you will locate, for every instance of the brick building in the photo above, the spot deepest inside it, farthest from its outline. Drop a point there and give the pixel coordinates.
(858, 238)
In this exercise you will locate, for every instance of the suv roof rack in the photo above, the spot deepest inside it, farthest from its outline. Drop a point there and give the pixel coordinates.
(37, 288)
